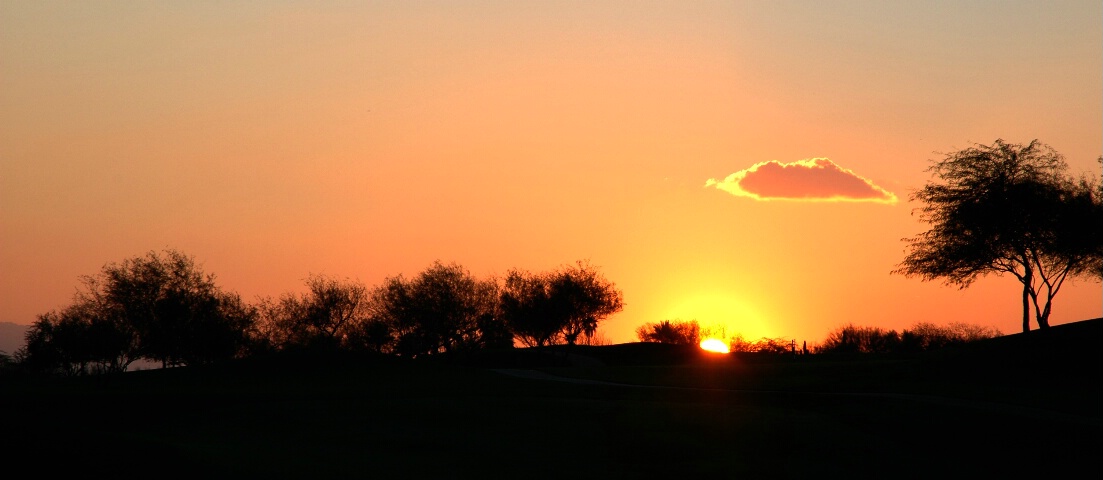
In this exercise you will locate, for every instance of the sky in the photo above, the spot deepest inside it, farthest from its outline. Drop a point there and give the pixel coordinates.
(362, 140)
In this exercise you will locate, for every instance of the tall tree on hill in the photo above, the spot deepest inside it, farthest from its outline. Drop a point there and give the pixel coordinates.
(1008, 208)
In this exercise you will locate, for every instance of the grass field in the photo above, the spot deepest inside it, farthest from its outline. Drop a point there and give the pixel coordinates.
(1012, 406)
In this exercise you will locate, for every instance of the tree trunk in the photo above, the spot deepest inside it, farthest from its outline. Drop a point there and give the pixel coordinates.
(1026, 307)
(1043, 319)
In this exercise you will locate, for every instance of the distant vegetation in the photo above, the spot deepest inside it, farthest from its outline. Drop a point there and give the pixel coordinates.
(690, 332)
(847, 339)
(5, 361)
(675, 332)
(921, 337)
(163, 308)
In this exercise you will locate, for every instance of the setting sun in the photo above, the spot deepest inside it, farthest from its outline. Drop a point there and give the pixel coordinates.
(506, 223)
(720, 314)
(714, 345)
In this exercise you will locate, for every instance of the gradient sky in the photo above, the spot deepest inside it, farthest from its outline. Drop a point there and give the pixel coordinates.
(273, 140)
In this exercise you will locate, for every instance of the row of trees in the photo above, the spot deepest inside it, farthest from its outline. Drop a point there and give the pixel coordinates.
(163, 308)
(847, 339)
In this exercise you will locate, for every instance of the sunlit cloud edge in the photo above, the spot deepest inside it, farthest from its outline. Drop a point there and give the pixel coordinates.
(731, 185)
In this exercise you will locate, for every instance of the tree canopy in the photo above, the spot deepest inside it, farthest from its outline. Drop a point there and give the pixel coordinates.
(442, 309)
(1008, 208)
(160, 306)
(322, 317)
(558, 306)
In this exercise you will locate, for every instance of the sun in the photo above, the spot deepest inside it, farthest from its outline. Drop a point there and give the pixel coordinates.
(714, 345)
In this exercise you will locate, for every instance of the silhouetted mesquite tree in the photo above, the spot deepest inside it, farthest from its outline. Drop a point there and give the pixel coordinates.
(158, 307)
(526, 303)
(442, 309)
(323, 317)
(72, 341)
(676, 332)
(174, 310)
(547, 308)
(1008, 208)
(855, 339)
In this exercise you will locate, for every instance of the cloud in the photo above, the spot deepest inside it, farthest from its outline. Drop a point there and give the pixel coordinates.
(814, 179)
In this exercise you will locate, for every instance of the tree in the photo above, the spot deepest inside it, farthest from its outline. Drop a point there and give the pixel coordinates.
(922, 336)
(443, 309)
(777, 345)
(172, 311)
(159, 307)
(855, 339)
(78, 339)
(928, 336)
(558, 306)
(675, 332)
(222, 333)
(583, 298)
(1008, 208)
(323, 317)
(527, 307)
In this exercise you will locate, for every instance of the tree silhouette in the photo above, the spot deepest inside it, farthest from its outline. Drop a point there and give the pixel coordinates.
(562, 305)
(777, 345)
(920, 337)
(173, 311)
(443, 309)
(856, 339)
(527, 307)
(1008, 208)
(928, 336)
(323, 317)
(158, 307)
(675, 332)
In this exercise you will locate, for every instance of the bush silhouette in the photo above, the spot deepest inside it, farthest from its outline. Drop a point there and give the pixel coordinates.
(675, 332)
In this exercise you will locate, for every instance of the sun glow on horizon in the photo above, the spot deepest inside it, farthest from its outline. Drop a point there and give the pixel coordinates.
(720, 315)
(715, 345)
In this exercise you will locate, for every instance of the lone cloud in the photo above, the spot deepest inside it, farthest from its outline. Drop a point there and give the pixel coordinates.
(814, 179)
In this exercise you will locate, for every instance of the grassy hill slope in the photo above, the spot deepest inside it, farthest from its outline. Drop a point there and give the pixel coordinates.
(1013, 405)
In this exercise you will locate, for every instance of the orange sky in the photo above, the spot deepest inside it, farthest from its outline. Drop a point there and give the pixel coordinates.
(273, 140)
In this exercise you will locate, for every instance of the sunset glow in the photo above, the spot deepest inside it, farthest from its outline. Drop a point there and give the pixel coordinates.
(721, 314)
(743, 164)
(715, 345)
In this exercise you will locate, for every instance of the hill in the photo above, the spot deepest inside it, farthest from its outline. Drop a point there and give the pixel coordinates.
(648, 411)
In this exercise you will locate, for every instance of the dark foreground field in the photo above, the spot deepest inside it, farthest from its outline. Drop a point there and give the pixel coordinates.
(1014, 405)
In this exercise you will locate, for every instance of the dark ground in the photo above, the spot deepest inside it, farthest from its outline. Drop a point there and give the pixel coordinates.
(1015, 405)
